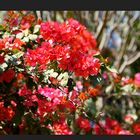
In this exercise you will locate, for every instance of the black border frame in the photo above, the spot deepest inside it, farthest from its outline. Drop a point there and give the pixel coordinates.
(74, 137)
(69, 4)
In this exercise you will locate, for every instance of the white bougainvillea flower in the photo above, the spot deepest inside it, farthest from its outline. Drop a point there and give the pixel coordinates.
(20, 35)
(26, 32)
(36, 28)
(52, 73)
(32, 36)
(25, 39)
(63, 78)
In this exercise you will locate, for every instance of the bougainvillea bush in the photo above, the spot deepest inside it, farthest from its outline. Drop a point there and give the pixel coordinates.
(51, 75)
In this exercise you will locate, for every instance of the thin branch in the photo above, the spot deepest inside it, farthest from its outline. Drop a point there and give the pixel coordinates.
(121, 53)
(103, 26)
(46, 15)
(39, 16)
(130, 61)
(131, 43)
(102, 41)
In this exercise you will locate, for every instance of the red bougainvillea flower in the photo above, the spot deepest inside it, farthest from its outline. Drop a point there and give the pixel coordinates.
(9, 113)
(125, 132)
(60, 128)
(136, 128)
(67, 43)
(20, 76)
(6, 113)
(97, 129)
(27, 21)
(1, 59)
(110, 127)
(51, 30)
(2, 43)
(2, 111)
(39, 55)
(9, 43)
(80, 63)
(45, 108)
(12, 18)
(101, 131)
(7, 76)
(54, 98)
(83, 64)
(83, 123)
(126, 80)
(70, 32)
(17, 44)
(113, 125)
(24, 91)
(129, 119)
(68, 105)
(30, 99)
(29, 94)
(137, 79)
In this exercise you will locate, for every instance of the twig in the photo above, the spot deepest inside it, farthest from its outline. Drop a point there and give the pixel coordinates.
(103, 26)
(131, 43)
(121, 53)
(102, 41)
(38, 13)
(97, 119)
(130, 61)
(46, 15)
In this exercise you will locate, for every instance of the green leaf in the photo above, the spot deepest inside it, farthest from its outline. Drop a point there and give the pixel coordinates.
(70, 14)
(15, 50)
(112, 69)
(98, 55)
(95, 79)
(18, 54)
(1, 27)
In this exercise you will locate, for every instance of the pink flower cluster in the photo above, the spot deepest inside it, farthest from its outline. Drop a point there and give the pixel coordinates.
(137, 79)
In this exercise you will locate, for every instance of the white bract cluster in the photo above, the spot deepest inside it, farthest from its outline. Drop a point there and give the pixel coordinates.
(62, 78)
(25, 35)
